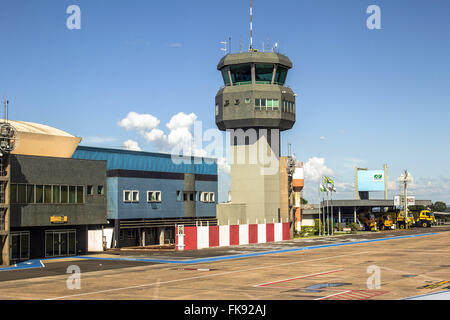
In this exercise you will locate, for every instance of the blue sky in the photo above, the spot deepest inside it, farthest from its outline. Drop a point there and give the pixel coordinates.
(365, 97)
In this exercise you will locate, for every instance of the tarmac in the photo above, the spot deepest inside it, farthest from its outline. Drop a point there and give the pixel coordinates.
(388, 265)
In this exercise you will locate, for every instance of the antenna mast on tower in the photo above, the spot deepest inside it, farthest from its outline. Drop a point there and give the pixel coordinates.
(251, 26)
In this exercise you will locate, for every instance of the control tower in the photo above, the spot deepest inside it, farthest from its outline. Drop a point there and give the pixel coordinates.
(254, 105)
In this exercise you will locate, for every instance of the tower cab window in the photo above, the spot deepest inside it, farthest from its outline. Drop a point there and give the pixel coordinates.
(280, 75)
(241, 73)
(263, 73)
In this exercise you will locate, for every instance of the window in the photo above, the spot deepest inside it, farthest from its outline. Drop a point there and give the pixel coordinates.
(179, 195)
(217, 109)
(188, 196)
(121, 235)
(226, 78)
(56, 194)
(241, 74)
(80, 194)
(40, 194)
(90, 190)
(72, 194)
(21, 193)
(281, 74)
(266, 104)
(100, 190)
(130, 196)
(48, 194)
(207, 197)
(30, 193)
(269, 104)
(64, 194)
(275, 104)
(153, 196)
(263, 73)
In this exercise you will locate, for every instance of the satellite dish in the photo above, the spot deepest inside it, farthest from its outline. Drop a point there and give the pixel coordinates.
(275, 46)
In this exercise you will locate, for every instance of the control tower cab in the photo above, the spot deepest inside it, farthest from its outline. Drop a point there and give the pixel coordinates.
(254, 93)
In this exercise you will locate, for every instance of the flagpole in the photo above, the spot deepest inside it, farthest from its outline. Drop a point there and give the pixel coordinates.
(319, 211)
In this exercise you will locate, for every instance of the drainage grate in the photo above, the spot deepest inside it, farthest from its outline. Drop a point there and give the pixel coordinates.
(409, 275)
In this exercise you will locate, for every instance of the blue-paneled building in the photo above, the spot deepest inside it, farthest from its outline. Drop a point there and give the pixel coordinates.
(148, 194)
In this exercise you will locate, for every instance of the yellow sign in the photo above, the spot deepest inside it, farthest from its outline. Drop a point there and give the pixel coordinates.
(58, 219)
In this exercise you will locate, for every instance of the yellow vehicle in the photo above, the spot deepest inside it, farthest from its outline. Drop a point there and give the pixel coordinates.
(401, 222)
(385, 222)
(368, 220)
(424, 218)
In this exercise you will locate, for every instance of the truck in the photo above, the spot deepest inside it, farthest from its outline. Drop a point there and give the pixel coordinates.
(424, 218)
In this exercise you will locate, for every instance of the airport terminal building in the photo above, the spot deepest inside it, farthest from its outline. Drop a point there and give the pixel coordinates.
(150, 193)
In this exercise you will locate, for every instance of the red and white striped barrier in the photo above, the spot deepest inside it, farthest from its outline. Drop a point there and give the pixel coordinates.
(200, 237)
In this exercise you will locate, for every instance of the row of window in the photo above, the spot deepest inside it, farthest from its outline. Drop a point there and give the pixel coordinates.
(156, 196)
(241, 74)
(195, 196)
(264, 104)
(49, 194)
(133, 196)
(273, 104)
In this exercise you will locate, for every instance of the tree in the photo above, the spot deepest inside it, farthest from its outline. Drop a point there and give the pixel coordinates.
(439, 206)
(303, 201)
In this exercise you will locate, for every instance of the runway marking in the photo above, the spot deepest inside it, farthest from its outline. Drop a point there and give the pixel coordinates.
(202, 277)
(332, 295)
(354, 295)
(296, 278)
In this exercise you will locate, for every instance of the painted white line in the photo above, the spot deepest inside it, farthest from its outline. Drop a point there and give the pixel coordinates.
(201, 277)
(300, 277)
(332, 295)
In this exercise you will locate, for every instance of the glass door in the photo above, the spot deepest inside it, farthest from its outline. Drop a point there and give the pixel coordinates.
(60, 243)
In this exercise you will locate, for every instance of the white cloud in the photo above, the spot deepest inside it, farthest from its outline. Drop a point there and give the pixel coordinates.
(155, 135)
(315, 168)
(132, 145)
(140, 122)
(322, 138)
(181, 120)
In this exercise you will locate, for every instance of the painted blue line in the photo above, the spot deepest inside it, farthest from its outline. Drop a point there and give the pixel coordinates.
(29, 264)
(441, 294)
(38, 263)
(255, 254)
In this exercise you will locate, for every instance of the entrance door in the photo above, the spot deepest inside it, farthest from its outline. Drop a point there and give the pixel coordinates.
(60, 243)
(20, 245)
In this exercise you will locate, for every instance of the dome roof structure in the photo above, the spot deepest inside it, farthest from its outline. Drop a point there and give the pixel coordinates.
(41, 140)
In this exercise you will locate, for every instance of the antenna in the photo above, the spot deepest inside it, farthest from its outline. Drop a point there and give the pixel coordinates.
(229, 45)
(251, 26)
(240, 45)
(224, 49)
